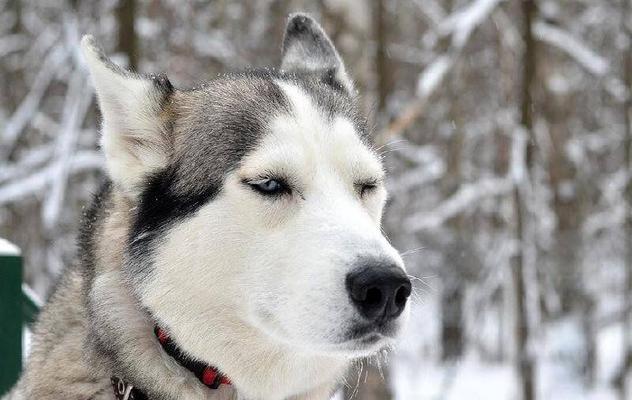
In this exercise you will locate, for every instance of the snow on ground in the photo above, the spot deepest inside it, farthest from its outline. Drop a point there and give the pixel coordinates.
(417, 373)
(468, 379)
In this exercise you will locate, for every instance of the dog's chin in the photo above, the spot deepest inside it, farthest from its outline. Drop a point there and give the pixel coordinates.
(366, 339)
(362, 340)
(358, 347)
(364, 346)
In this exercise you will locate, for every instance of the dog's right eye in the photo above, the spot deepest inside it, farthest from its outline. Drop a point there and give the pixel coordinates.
(270, 186)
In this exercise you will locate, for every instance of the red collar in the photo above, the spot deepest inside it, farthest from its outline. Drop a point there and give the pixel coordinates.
(208, 375)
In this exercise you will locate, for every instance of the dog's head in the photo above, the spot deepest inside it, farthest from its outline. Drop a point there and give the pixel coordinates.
(256, 202)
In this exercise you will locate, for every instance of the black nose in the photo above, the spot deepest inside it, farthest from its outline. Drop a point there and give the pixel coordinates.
(379, 291)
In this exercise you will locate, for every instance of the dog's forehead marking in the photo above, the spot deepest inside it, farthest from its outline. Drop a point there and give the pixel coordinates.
(304, 112)
(308, 134)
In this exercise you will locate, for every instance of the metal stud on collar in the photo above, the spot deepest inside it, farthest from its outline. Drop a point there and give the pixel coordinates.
(122, 390)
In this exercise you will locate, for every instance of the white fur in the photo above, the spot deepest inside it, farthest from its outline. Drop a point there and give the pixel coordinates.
(256, 286)
(133, 137)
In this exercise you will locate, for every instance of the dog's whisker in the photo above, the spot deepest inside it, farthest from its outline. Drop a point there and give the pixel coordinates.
(392, 142)
(357, 385)
(345, 382)
(379, 367)
(416, 296)
(420, 280)
(412, 251)
(390, 150)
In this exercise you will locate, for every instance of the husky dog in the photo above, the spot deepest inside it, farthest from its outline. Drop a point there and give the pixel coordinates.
(235, 251)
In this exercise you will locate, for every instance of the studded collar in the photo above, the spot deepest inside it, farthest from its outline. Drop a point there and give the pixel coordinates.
(210, 376)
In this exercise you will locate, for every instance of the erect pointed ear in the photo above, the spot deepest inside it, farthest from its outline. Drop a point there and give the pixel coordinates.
(136, 136)
(307, 48)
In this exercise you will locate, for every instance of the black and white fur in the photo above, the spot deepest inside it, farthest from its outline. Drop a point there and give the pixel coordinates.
(252, 284)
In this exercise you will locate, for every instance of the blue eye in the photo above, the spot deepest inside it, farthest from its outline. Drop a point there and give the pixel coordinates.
(270, 187)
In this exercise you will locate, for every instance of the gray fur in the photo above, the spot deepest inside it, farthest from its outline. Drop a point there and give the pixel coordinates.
(307, 48)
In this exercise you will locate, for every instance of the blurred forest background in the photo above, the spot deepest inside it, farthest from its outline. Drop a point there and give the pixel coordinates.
(506, 130)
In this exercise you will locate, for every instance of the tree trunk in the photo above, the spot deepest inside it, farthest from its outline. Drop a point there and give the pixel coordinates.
(455, 270)
(16, 7)
(524, 361)
(452, 321)
(12, 79)
(626, 368)
(127, 41)
(381, 56)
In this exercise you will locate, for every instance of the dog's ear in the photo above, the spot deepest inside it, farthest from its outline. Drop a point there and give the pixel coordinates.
(136, 137)
(307, 48)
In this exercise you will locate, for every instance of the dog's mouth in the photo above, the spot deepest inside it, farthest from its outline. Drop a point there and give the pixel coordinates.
(369, 338)
(362, 332)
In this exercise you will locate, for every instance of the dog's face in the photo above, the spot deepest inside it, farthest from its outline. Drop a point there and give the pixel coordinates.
(257, 203)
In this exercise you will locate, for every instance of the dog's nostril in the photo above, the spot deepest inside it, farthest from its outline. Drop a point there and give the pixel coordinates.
(401, 295)
(373, 296)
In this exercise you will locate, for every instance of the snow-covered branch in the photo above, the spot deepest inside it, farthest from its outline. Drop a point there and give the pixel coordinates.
(586, 57)
(38, 181)
(470, 193)
(460, 25)
(566, 42)
(464, 198)
(12, 43)
(78, 100)
(32, 159)
(431, 9)
(27, 109)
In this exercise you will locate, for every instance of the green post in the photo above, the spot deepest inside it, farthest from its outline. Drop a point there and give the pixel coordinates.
(10, 315)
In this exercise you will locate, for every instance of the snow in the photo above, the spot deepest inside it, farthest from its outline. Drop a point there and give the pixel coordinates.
(433, 75)
(12, 43)
(78, 99)
(29, 106)
(467, 195)
(431, 9)
(38, 180)
(460, 25)
(566, 42)
(468, 379)
(30, 293)
(420, 376)
(518, 164)
(26, 343)
(8, 249)
(472, 193)
(463, 22)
